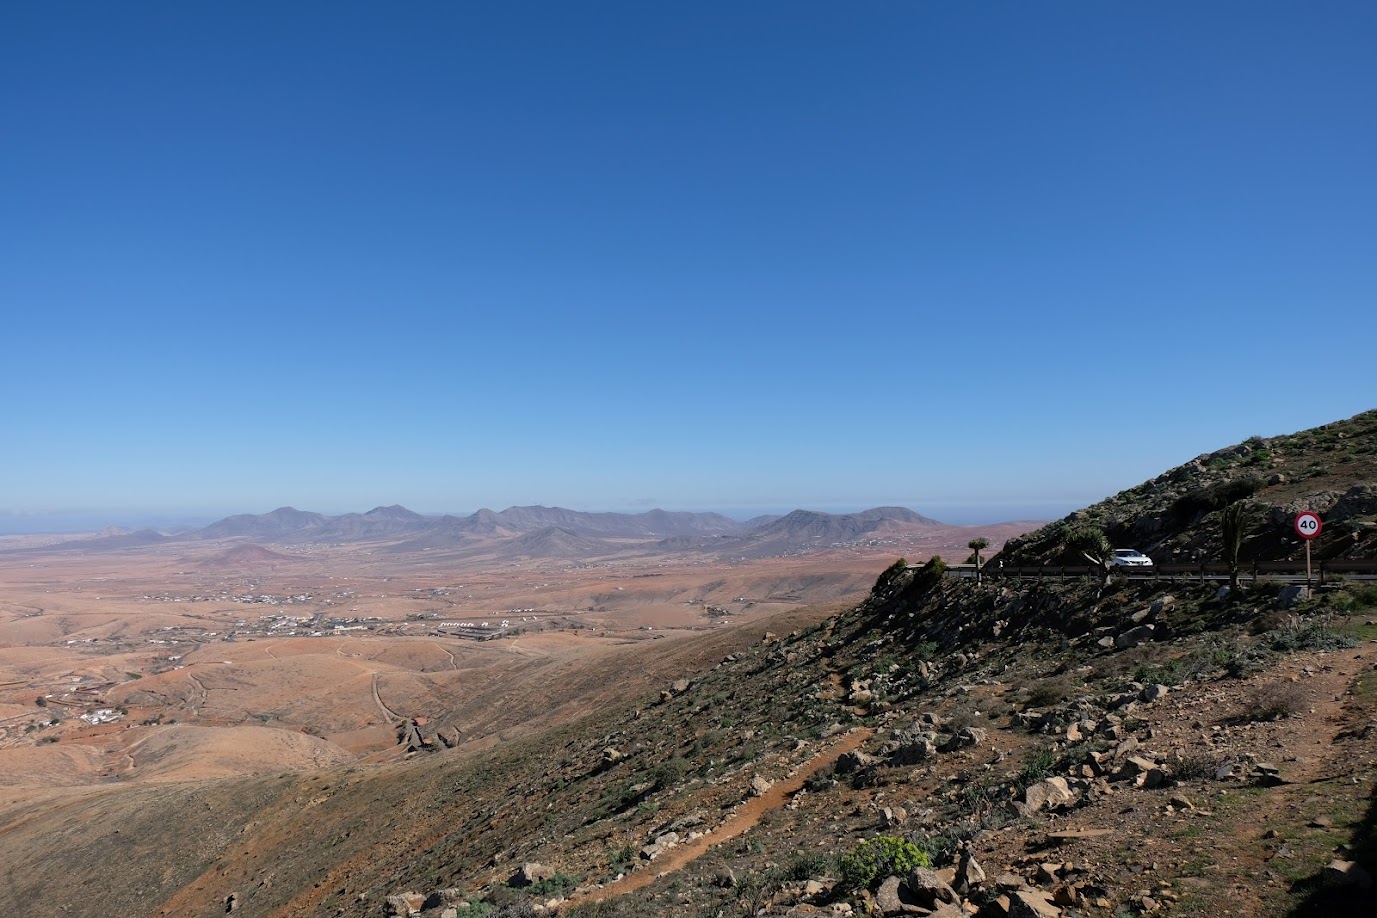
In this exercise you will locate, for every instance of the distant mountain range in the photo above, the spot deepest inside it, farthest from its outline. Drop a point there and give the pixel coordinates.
(541, 532)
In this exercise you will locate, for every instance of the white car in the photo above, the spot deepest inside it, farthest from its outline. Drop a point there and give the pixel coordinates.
(1130, 557)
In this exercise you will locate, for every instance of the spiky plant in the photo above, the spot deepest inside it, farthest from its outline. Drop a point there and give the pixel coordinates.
(976, 545)
(1093, 545)
(1235, 520)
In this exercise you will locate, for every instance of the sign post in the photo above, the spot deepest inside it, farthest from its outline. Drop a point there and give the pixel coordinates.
(1308, 526)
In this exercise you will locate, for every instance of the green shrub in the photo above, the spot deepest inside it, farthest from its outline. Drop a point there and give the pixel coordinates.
(1037, 766)
(1361, 595)
(942, 846)
(556, 885)
(805, 865)
(475, 910)
(669, 772)
(888, 576)
(1237, 658)
(523, 909)
(925, 650)
(1307, 635)
(871, 861)
(751, 887)
(1050, 691)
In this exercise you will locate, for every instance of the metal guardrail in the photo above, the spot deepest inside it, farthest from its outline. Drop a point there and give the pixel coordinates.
(1174, 571)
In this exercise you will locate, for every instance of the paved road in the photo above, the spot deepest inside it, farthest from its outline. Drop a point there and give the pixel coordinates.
(1054, 573)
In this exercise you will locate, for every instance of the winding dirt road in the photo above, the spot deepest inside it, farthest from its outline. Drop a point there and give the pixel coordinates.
(742, 820)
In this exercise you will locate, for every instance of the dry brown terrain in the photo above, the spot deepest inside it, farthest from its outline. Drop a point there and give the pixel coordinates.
(189, 660)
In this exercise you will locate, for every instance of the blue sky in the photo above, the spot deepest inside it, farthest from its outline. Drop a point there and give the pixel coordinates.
(987, 260)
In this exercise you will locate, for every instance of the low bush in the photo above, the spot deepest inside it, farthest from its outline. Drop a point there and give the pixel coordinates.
(1039, 764)
(871, 861)
(977, 800)
(557, 885)
(824, 779)
(941, 846)
(1355, 596)
(888, 576)
(1313, 634)
(1276, 700)
(1050, 691)
(805, 865)
(1196, 765)
(1238, 658)
(475, 910)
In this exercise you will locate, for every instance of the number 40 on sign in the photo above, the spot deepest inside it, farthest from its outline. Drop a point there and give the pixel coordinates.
(1308, 525)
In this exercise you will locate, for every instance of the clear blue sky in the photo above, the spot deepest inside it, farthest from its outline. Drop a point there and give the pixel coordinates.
(984, 259)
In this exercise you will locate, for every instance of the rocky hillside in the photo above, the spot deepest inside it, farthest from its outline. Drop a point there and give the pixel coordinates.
(948, 749)
(1331, 470)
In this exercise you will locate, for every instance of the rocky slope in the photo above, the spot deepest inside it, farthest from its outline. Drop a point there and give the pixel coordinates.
(1331, 470)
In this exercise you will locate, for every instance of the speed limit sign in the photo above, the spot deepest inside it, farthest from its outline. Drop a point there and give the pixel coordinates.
(1308, 524)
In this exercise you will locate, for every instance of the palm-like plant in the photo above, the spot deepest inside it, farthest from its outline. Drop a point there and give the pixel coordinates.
(1093, 545)
(1234, 520)
(978, 544)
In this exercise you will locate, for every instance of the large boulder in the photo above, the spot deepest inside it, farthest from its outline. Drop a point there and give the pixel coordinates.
(969, 873)
(1290, 595)
(659, 846)
(964, 739)
(1134, 636)
(892, 900)
(911, 753)
(1049, 795)
(404, 904)
(850, 762)
(1339, 873)
(1032, 903)
(928, 888)
(530, 873)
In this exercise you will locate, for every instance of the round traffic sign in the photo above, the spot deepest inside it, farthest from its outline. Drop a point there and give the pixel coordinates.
(1308, 524)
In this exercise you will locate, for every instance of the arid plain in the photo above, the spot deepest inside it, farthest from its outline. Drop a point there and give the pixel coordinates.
(124, 660)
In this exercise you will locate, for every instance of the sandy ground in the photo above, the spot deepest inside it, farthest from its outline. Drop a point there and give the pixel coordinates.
(197, 660)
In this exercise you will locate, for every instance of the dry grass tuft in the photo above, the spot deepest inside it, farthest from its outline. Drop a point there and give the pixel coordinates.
(1276, 700)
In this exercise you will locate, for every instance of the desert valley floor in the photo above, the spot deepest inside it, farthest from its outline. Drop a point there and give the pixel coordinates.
(204, 659)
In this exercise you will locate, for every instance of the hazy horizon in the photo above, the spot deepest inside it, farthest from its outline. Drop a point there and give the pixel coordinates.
(79, 521)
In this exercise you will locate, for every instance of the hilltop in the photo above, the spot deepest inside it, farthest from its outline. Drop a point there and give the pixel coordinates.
(1331, 470)
(510, 533)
